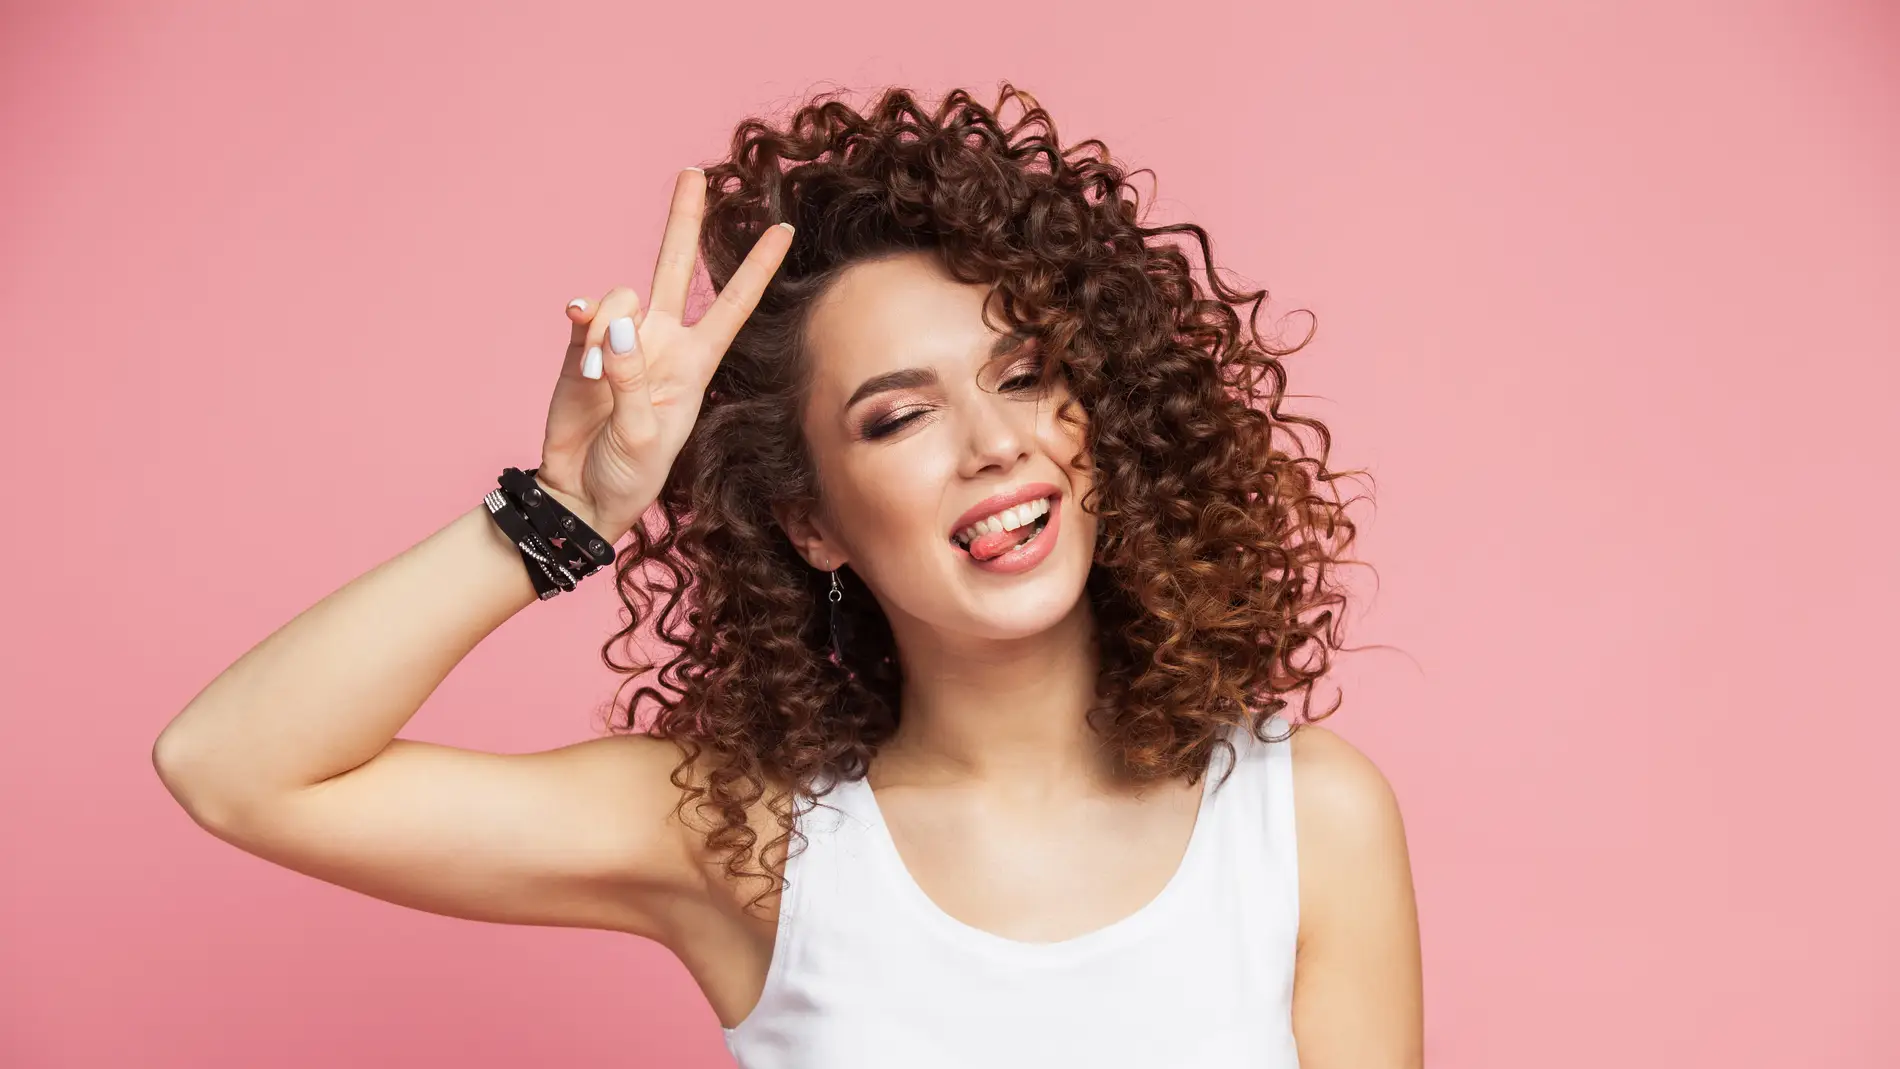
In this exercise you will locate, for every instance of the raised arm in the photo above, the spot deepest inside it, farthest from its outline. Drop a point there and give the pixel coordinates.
(291, 754)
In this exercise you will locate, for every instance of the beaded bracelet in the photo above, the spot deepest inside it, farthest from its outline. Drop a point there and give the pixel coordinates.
(557, 546)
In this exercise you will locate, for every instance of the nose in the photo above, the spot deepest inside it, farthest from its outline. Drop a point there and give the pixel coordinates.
(996, 435)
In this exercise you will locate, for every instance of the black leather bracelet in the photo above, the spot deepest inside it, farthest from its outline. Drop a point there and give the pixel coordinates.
(546, 572)
(558, 547)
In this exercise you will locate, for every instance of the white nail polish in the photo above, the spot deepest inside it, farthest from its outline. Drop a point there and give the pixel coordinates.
(620, 334)
(578, 302)
(590, 365)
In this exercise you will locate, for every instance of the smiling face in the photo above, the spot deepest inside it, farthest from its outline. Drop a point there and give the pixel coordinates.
(919, 412)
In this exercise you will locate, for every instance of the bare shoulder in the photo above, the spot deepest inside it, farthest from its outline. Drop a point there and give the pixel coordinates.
(653, 771)
(655, 764)
(1339, 793)
(645, 782)
(1346, 819)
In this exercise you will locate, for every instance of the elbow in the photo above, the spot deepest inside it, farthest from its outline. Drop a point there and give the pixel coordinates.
(189, 781)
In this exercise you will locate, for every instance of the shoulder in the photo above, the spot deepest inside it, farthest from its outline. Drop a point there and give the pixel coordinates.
(696, 814)
(1351, 836)
(1358, 978)
(655, 771)
(1338, 789)
(649, 786)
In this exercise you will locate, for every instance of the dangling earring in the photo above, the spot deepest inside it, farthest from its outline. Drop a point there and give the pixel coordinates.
(837, 622)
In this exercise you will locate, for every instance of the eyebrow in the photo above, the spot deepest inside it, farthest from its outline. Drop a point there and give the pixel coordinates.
(910, 378)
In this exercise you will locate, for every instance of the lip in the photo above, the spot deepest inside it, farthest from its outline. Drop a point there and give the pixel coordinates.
(995, 503)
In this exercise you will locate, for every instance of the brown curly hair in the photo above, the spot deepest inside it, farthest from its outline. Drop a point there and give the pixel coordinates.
(1210, 586)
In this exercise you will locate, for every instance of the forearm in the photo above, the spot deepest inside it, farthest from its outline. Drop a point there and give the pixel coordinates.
(328, 690)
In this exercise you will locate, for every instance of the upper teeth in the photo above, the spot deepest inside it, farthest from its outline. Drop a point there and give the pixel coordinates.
(1007, 520)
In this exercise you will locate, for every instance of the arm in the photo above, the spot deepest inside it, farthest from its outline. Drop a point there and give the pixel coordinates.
(289, 755)
(1357, 990)
(291, 752)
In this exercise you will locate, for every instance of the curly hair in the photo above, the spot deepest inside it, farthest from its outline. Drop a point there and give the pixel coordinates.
(1210, 586)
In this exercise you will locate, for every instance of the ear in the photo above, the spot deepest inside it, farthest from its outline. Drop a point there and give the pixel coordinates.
(807, 535)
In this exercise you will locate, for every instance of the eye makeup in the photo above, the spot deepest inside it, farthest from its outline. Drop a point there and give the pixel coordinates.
(885, 427)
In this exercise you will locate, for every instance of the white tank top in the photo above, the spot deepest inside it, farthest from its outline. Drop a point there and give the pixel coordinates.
(868, 972)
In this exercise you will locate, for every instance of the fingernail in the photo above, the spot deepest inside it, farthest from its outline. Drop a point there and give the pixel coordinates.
(590, 365)
(578, 302)
(620, 334)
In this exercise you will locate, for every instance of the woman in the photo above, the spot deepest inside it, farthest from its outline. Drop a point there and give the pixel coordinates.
(968, 750)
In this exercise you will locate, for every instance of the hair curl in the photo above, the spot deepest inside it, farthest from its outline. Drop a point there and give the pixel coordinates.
(1210, 587)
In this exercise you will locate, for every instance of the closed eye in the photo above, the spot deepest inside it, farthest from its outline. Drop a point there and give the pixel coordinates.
(889, 426)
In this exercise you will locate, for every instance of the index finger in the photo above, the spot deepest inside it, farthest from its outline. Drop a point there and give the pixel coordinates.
(728, 312)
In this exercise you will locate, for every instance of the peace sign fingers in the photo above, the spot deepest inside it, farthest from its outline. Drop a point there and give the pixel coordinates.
(728, 313)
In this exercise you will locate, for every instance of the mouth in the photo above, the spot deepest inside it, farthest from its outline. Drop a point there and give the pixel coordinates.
(1006, 531)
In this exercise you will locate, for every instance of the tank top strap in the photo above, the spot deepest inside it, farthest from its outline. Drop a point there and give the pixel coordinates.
(831, 820)
(822, 909)
(1257, 823)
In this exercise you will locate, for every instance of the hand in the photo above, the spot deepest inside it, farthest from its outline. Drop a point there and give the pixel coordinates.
(618, 421)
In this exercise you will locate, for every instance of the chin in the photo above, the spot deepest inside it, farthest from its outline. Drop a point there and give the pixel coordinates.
(1025, 605)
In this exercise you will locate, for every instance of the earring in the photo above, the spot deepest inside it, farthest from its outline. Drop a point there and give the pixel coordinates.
(838, 630)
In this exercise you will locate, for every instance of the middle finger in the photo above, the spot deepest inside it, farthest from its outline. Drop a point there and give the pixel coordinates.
(679, 246)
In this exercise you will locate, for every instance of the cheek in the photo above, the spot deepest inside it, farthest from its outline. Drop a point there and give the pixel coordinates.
(895, 496)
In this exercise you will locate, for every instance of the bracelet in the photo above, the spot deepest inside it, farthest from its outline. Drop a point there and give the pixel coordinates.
(557, 546)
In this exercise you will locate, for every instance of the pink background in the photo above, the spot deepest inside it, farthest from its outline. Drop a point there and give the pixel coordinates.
(1606, 296)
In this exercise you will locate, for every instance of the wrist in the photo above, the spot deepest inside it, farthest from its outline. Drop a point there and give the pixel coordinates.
(572, 503)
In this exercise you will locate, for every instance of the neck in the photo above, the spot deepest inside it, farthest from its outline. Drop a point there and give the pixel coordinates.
(1004, 714)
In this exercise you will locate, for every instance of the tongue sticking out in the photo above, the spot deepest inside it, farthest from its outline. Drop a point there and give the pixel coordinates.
(989, 546)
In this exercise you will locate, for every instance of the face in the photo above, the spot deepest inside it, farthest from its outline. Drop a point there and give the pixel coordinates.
(919, 411)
